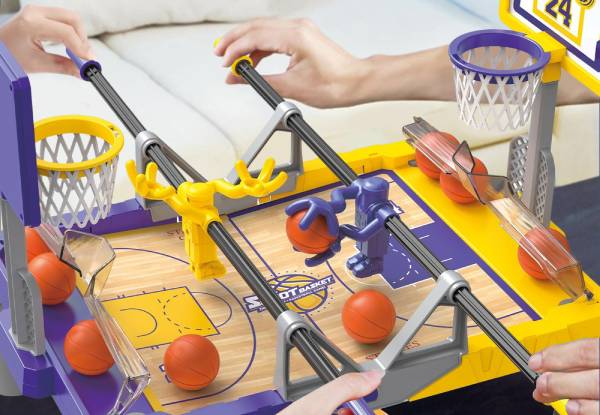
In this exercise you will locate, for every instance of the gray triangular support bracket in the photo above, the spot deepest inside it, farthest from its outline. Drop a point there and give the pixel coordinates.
(277, 122)
(287, 323)
(24, 298)
(158, 209)
(410, 370)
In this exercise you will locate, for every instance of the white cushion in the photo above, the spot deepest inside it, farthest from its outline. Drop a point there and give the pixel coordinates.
(184, 129)
(100, 16)
(180, 58)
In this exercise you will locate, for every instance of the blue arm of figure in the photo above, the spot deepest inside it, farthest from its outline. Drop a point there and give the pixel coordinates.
(318, 207)
(339, 197)
(374, 226)
(315, 207)
(318, 259)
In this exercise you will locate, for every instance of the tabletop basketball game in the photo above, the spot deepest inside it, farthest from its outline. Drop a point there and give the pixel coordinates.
(240, 295)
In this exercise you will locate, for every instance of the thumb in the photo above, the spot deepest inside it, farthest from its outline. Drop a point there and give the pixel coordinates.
(49, 62)
(327, 398)
(283, 83)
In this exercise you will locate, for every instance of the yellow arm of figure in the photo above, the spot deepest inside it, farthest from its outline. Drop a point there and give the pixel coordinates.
(146, 185)
(250, 186)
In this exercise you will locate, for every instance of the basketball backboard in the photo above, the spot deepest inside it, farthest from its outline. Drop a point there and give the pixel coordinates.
(574, 23)
(18, 169)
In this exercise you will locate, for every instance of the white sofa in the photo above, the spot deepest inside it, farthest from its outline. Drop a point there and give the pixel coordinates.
(170, 78)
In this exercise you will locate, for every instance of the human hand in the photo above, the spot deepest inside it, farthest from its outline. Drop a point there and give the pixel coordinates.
(320, 72)
(326, 399)
(315, 207)
(24, 33)
(570, 371)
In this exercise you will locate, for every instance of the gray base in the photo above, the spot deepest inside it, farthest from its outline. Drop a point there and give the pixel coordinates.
(8, 387)
(406, 371)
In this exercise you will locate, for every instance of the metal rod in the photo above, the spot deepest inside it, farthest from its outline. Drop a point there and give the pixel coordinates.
(297, 124)
(466, 300)
(300, 338)
(114, 101)
(246, 268)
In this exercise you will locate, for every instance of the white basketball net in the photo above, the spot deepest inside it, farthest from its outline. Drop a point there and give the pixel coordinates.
(80, 196)
(496, 102)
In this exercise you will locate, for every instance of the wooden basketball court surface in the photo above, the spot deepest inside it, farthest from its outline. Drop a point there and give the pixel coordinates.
(155, 298)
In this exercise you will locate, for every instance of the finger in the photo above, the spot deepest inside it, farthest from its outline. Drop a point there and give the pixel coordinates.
(267, 171)
(54, 31)
(297, 206)
(284, 83)
(232, 79)
(241, 30)
(259, 55)
(49, 62)
(330, 396)
(583, 407)
(256, 57)
(68, 17)
(272, 40)
(552, 386)
(577, 355)
(242, 170)
(223, 43)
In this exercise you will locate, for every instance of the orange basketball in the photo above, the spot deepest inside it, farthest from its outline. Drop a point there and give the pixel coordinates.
(454, 189)
(429, 139)
(34, 244)
(314, 240)
(368, 316)
(86, 350)
(55, 278)
(529, 265)
(192, 362)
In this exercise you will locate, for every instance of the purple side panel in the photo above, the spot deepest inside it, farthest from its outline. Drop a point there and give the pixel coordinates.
(77, 393)
(18, 167)
(268, 402)
(125, 216)
(50, 374)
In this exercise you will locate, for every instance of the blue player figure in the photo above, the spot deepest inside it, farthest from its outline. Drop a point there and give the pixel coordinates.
(372, 207)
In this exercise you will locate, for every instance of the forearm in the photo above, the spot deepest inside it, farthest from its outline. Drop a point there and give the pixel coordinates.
(571, 91)
(428, 75)
(424, 75)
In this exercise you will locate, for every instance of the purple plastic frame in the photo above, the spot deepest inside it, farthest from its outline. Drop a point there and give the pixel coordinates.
(18, 168)
(496, 37)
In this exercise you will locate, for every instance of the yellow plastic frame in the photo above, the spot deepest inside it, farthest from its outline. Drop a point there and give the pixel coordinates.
(481, 230)
(484, 361)
(566, 62)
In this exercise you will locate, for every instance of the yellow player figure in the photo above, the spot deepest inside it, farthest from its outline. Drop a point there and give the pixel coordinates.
(194, 202)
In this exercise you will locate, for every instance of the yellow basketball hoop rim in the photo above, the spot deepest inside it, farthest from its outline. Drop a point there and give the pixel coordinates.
(78, 124)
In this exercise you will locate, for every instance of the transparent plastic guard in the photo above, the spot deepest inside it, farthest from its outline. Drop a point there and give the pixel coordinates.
(92, 256)
(497, 193)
